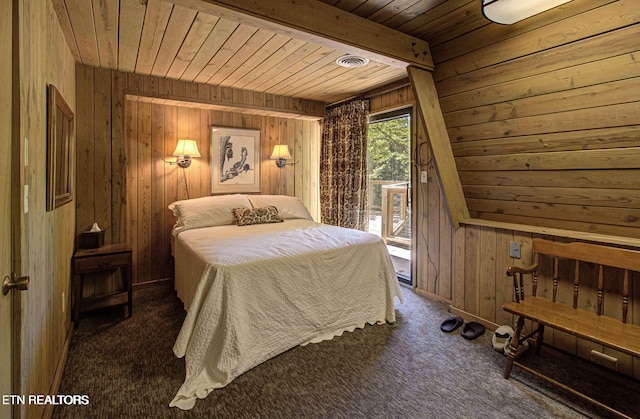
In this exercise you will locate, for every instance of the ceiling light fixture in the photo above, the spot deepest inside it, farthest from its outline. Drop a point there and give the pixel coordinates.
(352, 61)
(507, 12)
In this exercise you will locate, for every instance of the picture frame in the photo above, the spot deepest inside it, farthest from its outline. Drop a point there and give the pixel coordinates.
(60, 150)
(235, 160)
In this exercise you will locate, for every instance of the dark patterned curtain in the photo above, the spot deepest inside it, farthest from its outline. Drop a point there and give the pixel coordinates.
(343, 165)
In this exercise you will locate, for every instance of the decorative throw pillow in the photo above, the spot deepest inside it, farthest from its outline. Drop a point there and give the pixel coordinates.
(250, 216)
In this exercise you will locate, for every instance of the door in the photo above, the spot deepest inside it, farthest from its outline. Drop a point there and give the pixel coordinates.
(389, 165)
(6, 359)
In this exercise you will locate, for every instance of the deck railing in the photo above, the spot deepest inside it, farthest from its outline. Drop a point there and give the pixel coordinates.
(392, 230)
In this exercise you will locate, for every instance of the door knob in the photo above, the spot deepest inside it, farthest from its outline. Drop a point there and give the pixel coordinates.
(21, 283)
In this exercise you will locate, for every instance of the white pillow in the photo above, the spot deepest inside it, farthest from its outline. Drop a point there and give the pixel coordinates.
(208, 211)
(288, 206)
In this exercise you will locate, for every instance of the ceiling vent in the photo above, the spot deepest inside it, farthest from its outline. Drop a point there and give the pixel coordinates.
(352, 61)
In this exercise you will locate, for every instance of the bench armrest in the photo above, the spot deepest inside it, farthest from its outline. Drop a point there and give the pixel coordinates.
(512, 270)
(518, 281)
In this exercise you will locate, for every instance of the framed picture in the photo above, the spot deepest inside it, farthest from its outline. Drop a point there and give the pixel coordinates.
(235, 160)
(60, 150)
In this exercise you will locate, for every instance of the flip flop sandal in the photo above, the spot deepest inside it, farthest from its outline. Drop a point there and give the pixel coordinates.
(472, 330)
(451, 324)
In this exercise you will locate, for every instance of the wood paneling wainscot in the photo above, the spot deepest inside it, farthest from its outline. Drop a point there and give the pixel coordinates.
(43, 240)
(481, 285)
(129, 123)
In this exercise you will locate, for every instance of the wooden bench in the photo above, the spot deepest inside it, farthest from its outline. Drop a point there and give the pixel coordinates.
(614, 332)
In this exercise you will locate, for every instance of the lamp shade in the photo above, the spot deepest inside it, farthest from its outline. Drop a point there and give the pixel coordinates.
(280, 151)
(186, 148)
(508, 12)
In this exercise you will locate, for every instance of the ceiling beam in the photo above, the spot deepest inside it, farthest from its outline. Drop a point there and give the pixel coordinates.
(319, 23)
(306, 109)
(424, 90)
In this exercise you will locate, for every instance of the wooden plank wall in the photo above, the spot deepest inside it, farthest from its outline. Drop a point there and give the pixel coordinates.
(126, 186)
(152, 133)
(543, 117)
(44, 239)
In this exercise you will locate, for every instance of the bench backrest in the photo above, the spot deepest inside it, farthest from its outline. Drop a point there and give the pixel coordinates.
(602, 256)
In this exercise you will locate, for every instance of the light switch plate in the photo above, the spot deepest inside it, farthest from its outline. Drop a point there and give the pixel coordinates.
(424, 176)
(26, 198)
(514, 249)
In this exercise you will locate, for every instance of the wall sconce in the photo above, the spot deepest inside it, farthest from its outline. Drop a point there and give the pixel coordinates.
(184, 151)
(281, 155)
(507, 12)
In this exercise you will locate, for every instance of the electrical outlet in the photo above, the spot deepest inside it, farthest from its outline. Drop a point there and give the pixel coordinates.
(514, 249)
(423, 176)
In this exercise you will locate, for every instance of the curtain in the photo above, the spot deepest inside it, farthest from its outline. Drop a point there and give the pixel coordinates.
(343, 165)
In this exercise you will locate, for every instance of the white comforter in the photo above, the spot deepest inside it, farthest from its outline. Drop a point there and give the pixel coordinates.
(254, 292)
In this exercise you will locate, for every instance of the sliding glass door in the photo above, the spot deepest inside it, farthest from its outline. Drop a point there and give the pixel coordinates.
(389, 164)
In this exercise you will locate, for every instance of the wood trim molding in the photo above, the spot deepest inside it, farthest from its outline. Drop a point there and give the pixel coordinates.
(309, 20)
(556, 232)
(311, 112)
(152, 89)
(432, 296)
(57, 378)
(490, 326)
(426, 97)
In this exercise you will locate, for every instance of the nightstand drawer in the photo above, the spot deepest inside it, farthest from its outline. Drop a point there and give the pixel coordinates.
(102, 263)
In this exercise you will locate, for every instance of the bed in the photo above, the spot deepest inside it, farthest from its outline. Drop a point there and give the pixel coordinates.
(281, 280)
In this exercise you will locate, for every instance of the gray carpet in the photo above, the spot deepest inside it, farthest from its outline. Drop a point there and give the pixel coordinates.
(409, 369)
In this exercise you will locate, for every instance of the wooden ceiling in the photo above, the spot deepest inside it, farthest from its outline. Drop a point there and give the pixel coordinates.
(160, 38)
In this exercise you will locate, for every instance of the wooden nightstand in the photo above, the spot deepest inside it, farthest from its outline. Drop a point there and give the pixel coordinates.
(106, 258)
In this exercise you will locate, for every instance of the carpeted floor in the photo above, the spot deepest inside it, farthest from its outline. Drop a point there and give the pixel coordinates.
(409, 369)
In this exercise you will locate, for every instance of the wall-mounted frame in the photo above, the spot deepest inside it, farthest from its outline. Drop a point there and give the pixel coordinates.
(235, 160)
(60, 150)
